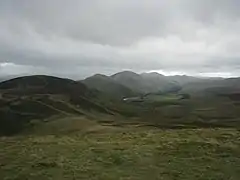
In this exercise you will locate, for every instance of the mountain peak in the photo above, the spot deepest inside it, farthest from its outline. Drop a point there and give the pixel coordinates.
(100, 76)
(125, 73)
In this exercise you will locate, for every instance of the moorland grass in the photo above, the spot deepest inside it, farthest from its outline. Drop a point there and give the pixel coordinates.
(123, 153)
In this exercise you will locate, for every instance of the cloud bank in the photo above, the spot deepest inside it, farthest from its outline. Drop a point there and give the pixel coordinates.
(77, 38)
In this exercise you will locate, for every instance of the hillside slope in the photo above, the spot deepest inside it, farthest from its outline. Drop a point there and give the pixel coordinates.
(39, 97)
(157, 82)
(184, 80)
(131, 80)
(107, 85)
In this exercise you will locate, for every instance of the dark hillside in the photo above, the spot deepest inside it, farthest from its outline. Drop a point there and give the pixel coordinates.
(39, 97)
(43, 84)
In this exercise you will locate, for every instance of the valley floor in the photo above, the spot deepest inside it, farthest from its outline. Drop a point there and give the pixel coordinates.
(123, 153)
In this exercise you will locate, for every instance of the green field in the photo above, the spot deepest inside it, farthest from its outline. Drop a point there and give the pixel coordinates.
(166, 97)
(123, 152)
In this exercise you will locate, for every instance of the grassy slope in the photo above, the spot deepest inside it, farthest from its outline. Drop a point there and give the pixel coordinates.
(123, 153)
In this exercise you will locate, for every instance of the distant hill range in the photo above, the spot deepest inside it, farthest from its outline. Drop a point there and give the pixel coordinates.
(126, 83)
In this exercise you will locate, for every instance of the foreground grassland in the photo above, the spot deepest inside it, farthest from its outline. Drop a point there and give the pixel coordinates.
(123, 153)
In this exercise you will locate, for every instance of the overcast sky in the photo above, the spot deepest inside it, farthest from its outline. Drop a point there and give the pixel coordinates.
(78, 38)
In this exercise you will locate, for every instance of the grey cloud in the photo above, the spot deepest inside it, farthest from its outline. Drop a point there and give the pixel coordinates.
(114, 22)
(86, 37)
